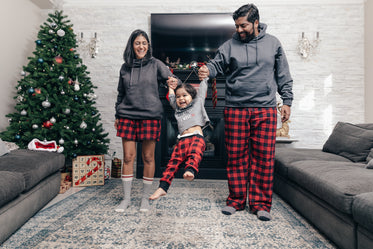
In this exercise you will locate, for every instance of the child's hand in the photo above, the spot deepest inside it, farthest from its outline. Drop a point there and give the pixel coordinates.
(172, 83)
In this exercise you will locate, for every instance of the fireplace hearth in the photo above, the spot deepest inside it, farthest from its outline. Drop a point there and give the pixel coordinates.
(213, 165)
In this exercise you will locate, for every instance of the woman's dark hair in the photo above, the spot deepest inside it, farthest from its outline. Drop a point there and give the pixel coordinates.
(250, 10)
(189, 88)
(129, 53)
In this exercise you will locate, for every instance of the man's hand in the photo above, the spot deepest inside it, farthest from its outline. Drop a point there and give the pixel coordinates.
(285, 113)
(203, 72)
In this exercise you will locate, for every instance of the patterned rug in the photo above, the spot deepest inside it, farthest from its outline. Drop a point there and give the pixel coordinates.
(188, 217)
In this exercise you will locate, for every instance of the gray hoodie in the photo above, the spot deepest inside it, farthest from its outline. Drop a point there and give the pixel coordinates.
(138, 96)
(254, 71)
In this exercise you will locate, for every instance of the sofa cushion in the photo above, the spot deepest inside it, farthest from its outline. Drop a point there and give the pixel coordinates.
(3, 148)
(362, 210)
(334, 182)
(285, 156)
(33, 165)
(368, 126)
(350, 141)
(11, 185)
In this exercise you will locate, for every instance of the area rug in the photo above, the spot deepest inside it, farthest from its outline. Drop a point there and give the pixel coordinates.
(188, 217)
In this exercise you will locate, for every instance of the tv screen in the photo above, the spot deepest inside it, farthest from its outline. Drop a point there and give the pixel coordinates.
(189, 36)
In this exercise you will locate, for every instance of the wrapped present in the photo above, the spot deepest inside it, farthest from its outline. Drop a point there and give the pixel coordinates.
(116, 168)
(88, 171)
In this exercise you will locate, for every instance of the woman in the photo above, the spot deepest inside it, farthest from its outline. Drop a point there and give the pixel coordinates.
(138, 112)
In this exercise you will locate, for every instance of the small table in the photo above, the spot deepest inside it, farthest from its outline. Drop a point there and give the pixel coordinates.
(285, 142)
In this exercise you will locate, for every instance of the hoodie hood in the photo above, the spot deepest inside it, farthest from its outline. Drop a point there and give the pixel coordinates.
(262, 32)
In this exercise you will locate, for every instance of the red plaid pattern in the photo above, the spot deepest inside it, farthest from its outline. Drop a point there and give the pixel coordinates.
(189, 150)
(139, 130)
(250, 167)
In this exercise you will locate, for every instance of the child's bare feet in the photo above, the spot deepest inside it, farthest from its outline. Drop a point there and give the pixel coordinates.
(188, 176)
(158, 193)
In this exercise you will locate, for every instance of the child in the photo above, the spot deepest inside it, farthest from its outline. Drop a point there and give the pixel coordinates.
(191, 116)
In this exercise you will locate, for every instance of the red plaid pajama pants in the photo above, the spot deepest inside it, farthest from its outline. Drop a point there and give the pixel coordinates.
(139, 130)
(250, 138)
(189, 150)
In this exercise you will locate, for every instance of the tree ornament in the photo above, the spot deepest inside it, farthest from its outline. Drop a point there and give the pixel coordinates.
(53, 120)
(47, 124)
(23, 73)
(51, 32)
(23, 112)
(46, 103)
(76, 98)
(93, 129)
(61, 78)
(83, 125)
(60, 32)
(62, 92)
(66, 111)
(70, 81)
(40, 60)
(53, 25)
(61, 141)
(31, 90)
(76, 141)
(37, 90)
(58, 59)
(17, 136)
(38, 42)
(76, 87)
(35, 126)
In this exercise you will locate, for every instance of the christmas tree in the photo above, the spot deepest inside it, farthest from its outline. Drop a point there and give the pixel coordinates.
(55, 97)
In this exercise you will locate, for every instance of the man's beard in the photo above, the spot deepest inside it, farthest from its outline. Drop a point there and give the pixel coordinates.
(248, 36)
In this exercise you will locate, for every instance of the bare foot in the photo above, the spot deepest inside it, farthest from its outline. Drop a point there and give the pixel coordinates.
(158, 193)
(188, 176)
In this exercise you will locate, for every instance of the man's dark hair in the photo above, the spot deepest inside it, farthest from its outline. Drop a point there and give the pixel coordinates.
(188, 88)
(129, 53)
(250, 10)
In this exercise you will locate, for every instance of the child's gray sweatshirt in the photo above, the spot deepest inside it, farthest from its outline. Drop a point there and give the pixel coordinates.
(195, 113)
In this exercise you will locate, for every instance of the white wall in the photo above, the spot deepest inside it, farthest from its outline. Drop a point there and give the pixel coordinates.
(368, 61)
(19, 25)
(329, 87)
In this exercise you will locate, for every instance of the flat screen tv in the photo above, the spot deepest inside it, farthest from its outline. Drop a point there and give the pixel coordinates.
(189, 36)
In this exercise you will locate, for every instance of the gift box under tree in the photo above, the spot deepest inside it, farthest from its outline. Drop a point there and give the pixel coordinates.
(88, 170)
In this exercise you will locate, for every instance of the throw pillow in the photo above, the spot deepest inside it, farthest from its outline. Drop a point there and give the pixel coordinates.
(370, 164)
(370, 159)
(350, 141)
(3, 148)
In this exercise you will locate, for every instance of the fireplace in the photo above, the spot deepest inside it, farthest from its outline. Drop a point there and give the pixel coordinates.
(213, 165)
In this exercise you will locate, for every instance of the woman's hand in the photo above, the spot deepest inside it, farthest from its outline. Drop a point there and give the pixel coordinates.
(116, 124)
(172, 82)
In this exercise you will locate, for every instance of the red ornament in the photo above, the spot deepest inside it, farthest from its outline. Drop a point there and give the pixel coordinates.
(71, 49)
(47, 124)
(58, 59)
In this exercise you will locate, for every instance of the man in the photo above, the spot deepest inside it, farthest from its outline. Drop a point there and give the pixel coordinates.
(255, 67)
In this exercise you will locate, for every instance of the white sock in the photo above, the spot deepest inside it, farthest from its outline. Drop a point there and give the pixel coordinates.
(147, 187)
(127, 186)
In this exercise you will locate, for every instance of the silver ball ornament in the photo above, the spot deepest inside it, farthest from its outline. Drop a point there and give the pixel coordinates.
(60, 32)
(61, 141)
(53, 120)
(46, 103)
(35, 126)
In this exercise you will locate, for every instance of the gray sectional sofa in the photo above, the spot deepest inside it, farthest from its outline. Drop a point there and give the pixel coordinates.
(332, 187)
(28, 181)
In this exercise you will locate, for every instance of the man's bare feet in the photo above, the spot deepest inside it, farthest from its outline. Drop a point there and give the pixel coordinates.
(188, 176)
(158, 193)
